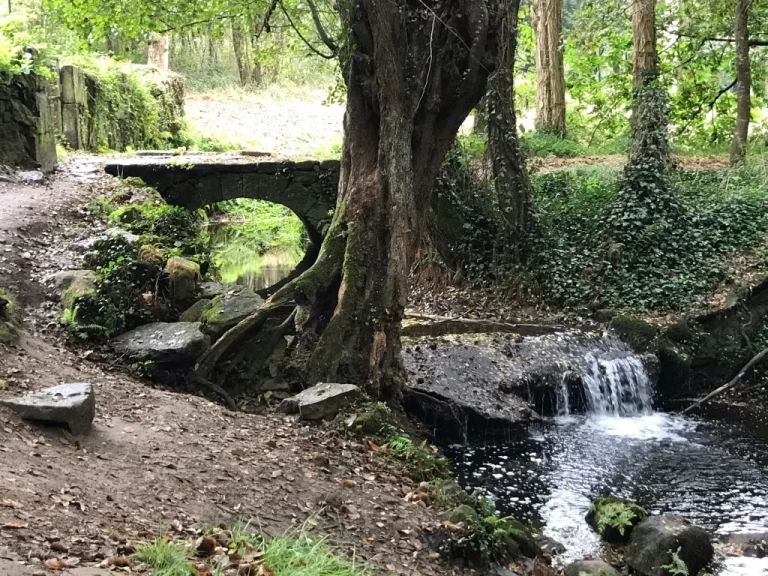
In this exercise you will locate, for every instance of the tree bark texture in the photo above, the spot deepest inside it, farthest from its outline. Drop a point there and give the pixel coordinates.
(547, 16)
(644, 39)
(510, 175)
(743, 82)
(414, 72)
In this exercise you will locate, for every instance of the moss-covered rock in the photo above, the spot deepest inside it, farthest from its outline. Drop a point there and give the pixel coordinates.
(464, 514)
(10, 318)
(377, 419)
(71, 284)
(615, 518)
(184, 275)
(509, 528)
(194, 312)
(227, 310)
(638, 333)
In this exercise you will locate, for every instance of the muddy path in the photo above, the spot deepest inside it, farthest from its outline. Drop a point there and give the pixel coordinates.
(160, 462)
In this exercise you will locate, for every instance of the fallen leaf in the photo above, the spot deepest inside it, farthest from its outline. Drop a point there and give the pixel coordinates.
(119, 562)
(128, 430)
(15, 525)
(206, 546)
(349, 483)
(9, 504)
(277, 473)
(55, 564)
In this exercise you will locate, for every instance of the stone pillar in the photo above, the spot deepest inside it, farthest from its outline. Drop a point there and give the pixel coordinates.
(74, 98)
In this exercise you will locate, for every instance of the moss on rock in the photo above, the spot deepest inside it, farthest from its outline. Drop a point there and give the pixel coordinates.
(10, 319)
(638, 333)
(614, 518)
(184, 276)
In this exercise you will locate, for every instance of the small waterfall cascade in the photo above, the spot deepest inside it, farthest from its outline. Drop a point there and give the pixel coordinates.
(617, 386)
(605, 385)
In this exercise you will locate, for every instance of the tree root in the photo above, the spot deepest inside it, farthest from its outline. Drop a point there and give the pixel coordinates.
(736, 379)
(207, 362)
(195, 378)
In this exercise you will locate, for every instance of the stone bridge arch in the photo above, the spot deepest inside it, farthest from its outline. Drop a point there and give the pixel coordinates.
(307, 187)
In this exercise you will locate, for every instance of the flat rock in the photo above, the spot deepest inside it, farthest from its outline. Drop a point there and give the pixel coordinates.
(656, 537)
(89, 243)
(70, 284)
(210, 289)
(228, 309)
(590, 568)
(321, 401)
(165, 343)
(73, 405)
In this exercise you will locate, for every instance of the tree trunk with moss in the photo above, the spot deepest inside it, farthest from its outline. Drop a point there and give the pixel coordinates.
(547, 20)
(743, 82)
(513, 187)
(414, 72)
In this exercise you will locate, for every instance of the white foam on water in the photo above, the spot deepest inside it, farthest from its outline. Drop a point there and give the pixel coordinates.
(655, 426)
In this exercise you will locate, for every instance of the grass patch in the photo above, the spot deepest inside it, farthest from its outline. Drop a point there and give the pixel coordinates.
(165, 558)
(420, 461)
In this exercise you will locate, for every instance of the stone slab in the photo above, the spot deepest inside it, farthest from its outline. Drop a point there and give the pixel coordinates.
(73, 405)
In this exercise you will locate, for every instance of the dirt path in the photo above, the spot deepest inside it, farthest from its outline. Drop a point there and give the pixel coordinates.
(160, 462)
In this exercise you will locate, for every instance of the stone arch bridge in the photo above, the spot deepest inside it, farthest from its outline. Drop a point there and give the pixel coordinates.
(307, 187)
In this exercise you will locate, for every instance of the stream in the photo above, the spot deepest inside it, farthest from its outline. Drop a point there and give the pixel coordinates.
(711, 473)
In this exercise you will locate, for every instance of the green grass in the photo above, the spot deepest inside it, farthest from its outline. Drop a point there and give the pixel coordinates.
(305, 556)
(165, 558)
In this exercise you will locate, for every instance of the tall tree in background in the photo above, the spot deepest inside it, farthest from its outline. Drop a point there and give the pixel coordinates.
(743, 82)
(509, 171)
(547, 20)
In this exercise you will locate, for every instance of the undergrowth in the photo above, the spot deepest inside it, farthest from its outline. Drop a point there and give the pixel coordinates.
(165, 558)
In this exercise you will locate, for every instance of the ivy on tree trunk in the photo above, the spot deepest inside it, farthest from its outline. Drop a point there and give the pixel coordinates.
(509, 171)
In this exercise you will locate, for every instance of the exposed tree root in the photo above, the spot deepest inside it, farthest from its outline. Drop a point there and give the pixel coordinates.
(195, 378)
(736, 379)
(207, 362)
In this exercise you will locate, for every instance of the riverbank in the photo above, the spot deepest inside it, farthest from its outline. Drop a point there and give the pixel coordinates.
(158, 462)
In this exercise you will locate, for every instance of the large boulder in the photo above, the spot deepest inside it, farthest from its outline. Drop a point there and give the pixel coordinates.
(184, 275)
(227, 310)
(660, 542)
(322, 401)
(590, 568)
(71, 284)
(73, 405)
(176, 343)
(615, 518)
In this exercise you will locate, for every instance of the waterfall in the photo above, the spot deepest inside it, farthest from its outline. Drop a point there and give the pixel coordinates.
(617, 386)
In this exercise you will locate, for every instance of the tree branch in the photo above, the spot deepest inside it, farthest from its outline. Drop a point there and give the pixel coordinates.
(327, 40)
(298, 32)
(701, 107)
(730, 384)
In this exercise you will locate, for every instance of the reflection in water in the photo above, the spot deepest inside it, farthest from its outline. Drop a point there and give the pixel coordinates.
(712, 474)
(242, 259)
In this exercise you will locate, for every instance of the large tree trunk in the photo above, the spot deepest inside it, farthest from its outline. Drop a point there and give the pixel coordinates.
(547, 16)
(415, 71)
(509, 171)
(649, 133)
(743, 82)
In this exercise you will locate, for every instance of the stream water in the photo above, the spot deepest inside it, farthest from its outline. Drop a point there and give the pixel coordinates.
(714, 474)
